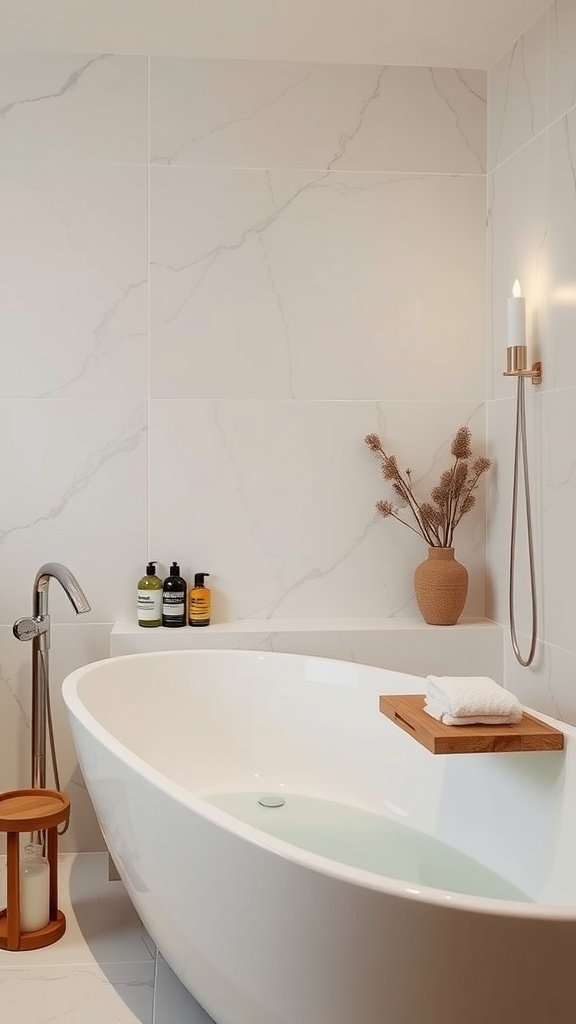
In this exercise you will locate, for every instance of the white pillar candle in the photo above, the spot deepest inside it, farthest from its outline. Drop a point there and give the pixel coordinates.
(516, 317)
(34, 890)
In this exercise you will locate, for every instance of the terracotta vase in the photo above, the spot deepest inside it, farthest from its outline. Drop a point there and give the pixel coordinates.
(441, 587)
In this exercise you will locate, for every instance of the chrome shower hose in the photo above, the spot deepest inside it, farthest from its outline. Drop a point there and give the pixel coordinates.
(44, 668)
(520, 447)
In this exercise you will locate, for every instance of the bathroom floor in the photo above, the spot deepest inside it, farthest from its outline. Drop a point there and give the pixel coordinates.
(105, 968)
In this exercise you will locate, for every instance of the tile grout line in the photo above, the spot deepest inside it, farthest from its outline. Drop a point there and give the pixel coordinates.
(154, 987)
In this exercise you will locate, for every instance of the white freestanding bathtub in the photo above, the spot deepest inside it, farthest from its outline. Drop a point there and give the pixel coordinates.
(341, 906)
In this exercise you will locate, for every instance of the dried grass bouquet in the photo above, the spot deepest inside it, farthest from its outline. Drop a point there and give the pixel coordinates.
(451, 498)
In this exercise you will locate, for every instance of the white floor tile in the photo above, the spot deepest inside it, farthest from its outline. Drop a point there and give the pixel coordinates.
(116, 994)
(102, 926)
(104, 967)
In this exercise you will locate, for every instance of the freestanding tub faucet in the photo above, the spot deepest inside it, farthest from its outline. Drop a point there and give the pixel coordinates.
(37, 629)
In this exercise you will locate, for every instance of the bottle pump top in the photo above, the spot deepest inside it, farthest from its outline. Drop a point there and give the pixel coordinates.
(174, 569)
(151, 569)
(199, 578)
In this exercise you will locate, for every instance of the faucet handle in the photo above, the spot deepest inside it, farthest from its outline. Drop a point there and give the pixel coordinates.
(27, 628)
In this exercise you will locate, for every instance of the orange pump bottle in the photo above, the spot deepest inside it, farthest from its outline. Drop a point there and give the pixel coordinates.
(199, 601)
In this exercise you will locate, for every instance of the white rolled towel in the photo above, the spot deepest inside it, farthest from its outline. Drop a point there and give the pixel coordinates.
(466, 700)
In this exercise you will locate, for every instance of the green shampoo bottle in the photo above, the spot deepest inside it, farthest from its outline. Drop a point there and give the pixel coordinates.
(150, 598)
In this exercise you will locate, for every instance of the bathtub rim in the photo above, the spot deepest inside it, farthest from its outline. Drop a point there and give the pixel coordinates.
(337, 870)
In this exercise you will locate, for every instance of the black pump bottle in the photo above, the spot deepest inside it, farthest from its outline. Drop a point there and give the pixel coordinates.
(174, 598)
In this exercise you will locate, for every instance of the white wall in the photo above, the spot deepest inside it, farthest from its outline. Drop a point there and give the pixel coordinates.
(532, 236)
(446, 33)
(216, 277)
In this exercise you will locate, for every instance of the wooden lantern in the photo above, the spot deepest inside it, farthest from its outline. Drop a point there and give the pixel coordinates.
(31, 810)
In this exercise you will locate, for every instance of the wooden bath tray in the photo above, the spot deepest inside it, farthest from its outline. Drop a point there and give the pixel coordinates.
(407, 711)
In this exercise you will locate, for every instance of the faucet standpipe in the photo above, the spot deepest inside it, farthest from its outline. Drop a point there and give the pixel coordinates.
(37, 629)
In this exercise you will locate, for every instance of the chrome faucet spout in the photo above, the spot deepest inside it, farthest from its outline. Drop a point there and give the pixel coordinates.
(67, 581)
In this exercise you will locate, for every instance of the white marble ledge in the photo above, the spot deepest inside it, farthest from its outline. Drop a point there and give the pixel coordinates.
(187, 635)
(402, 644)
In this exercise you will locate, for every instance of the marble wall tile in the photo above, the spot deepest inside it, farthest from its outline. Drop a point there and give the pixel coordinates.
(265, 282)
(500, 448)
(548, 684)
(326, 116)
(74, 485)
(73, 280)
(15, 711)
(89, 107)
(558, 516)
(277, 502)
(561, 58)
(429, 120)
(518, 247)
(517, 94)
(319, 236)
(558, 343)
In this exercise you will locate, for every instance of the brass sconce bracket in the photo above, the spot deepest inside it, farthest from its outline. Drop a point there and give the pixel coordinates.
(517, 364)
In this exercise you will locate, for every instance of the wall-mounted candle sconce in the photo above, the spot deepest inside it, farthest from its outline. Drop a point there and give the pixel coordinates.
(517, 350)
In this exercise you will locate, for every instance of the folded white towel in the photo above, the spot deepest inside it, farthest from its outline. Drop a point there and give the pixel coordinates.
(438, 712)
(464, 700)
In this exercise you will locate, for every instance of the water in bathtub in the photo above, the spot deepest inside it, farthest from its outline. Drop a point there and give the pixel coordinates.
(366, 840)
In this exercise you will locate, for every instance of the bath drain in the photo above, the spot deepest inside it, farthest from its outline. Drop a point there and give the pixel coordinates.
(271, 801)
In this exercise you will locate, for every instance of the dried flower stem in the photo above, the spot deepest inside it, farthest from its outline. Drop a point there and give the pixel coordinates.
(452, 497)
(403, 488)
